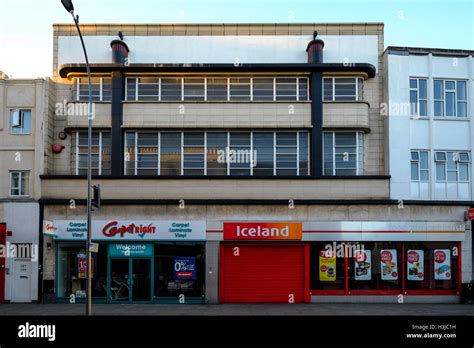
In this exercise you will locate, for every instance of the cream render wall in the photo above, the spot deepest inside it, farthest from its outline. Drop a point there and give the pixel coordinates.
(23, 152)
(232, 115)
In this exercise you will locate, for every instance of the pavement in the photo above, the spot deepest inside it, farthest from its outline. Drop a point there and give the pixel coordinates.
(239, 309)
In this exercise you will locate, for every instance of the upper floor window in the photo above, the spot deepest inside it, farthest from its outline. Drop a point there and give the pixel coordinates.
(219, 88)
(418, 97)
(343, 153)
(419, 166)
(343, 88)
(20, 121)
(19, 181)
(450, 98)
(101, 89)
(217, 153)
(452, 166)
(100, 153)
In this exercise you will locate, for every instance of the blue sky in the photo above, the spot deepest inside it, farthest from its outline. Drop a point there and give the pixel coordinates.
(26, 25)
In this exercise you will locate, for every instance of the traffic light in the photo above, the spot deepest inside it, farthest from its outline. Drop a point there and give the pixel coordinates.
(96, 198)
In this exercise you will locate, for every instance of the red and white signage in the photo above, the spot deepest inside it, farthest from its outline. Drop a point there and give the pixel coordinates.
(49, 229)
(388, 264)
(442, 264)
(470, 214)
(415, 265)
(263, 231)
(126, 230)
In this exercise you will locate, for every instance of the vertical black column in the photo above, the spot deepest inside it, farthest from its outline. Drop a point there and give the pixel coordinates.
(117, 155)
(316, 84)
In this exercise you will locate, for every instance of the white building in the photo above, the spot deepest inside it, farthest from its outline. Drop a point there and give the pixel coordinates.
(430, 128)
(430, 133)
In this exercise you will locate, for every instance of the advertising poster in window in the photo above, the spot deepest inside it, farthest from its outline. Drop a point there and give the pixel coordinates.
(363, 265)
(388, 264)
(184, 268)
(82, 265)
(442, 264)
(415, 260)
(327, 266)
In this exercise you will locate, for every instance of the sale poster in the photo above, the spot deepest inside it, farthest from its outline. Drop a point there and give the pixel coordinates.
(184, 268)
(442, 264)
(327, 266)
(363, 265)
(388, 264)
(415, 268)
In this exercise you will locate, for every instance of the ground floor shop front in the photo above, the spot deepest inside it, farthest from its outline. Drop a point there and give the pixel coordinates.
(135, 261)
(232, 257)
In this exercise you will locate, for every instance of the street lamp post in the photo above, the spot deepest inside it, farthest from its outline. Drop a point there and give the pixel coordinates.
(70, 8)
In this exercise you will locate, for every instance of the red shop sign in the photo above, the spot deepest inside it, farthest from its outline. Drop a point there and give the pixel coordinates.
(470, 214)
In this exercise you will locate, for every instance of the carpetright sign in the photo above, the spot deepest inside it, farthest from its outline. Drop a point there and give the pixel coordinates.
(127, 230)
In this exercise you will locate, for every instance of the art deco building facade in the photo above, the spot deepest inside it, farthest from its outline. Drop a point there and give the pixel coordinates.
(230, 158)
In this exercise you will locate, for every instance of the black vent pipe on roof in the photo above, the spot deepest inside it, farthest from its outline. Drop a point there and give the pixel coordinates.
(315, 49)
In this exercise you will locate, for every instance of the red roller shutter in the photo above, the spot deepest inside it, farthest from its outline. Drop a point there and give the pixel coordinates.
(264, 272)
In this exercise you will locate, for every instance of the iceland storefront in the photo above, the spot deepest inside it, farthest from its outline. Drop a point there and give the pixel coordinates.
(139, 261)
(344, 261)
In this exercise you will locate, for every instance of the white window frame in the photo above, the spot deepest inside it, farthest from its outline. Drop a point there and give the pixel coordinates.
(204, 84)
(418, 99)
(100, 84)
(21, 115)
(205, 149)
(100, 151)
(359, 167)
(419, 170)
(456, 100)
(458, 161)
(333, 80)
(20, 188)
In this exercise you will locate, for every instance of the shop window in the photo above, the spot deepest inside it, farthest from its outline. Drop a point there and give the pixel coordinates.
(71, 271)
(179, 270)
(327, 267)
(375, 266)
(431, 265)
